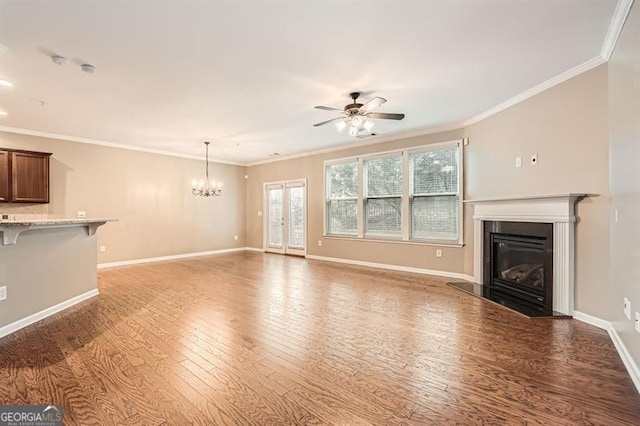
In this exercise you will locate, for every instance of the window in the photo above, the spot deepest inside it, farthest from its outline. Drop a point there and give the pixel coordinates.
(433, 194)
(383, 197)
(409, 195)
(342, 198)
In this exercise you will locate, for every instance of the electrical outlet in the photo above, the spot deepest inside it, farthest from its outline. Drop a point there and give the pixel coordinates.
(638, 322)
(235, 237)
(319, 243)
(3, 292)
(259, 213)
(518, 161)
(627, 308)
(103, 249)
(81, 214)
(534, 160)
(438, 253)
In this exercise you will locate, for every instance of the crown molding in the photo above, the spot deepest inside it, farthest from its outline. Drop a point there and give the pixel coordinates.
(553, 81)
(615, 28)
(373, 140)
(58, 136)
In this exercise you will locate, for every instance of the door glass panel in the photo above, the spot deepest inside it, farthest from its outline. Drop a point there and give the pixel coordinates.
(275, 217)
(296, 217)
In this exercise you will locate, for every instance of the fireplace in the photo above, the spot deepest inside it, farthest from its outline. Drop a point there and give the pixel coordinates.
(555, 212)
(518, 259)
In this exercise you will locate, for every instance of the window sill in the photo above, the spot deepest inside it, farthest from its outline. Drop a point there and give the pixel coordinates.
(396, 241)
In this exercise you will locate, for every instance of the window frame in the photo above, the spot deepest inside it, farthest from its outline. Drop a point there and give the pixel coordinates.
(405, 197)
(327, 200)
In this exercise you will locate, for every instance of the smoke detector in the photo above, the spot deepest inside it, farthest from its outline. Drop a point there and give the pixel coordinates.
(88, 68)
(59, 60)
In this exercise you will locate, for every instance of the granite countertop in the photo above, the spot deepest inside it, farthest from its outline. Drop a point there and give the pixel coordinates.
(41, 221)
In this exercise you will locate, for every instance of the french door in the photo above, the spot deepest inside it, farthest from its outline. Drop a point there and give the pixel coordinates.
(285, 219)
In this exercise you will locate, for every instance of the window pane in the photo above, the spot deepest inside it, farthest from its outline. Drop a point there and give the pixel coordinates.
(275, 217)
(296, 217)
(384, 177)
(434, 172)
(383, 216)
(342, 217)
(342, 180)
(434, 218)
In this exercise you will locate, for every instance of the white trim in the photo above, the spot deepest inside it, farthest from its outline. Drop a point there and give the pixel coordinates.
(109, 144)
(173, 257)
(256, 249)
(545, 85)
(615, 28)
(393, 267)
(591, 320)
(627, 359)
(38, 316)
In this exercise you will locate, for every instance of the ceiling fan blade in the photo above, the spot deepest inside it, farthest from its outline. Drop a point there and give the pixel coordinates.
(328, 108)
(385, 115)
(328, 121)
(372, 104)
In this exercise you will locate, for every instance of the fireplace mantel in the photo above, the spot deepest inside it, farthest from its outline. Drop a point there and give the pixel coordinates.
(558, 209)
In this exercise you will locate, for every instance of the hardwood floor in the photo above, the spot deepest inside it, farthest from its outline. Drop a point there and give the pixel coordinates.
(249, 338)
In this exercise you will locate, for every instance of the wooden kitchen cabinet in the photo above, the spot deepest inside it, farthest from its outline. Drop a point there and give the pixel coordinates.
(4, 176)
(24, 176)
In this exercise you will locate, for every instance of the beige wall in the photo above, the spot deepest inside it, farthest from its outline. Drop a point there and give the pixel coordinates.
(45, 267)
(624, 117)
(148, 193)
(311, 167)
(566, 126)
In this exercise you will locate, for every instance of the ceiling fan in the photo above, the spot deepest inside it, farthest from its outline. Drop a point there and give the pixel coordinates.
(358, 115)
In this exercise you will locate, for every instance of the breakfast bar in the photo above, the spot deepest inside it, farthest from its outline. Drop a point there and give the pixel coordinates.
(46, 265)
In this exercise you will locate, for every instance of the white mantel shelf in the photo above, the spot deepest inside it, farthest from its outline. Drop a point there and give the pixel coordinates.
(558, 209)
(11, 229)
(573, 195)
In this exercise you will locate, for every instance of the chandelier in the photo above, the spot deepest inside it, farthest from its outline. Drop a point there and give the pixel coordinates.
(206, 188)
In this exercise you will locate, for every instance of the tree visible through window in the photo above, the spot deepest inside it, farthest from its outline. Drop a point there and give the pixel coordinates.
(342, 198)
(433, 191)
(383, 198)
(427, 208)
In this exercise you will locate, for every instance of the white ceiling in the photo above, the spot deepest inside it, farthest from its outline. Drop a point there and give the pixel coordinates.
(246, 75)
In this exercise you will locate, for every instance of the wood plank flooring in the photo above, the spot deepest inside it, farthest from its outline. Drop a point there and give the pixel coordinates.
(249, 338)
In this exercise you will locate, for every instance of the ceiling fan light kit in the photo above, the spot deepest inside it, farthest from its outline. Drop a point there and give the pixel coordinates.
(357, 116)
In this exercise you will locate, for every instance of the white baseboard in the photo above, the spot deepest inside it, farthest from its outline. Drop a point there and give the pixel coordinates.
(454, 275)
(17, 325)
(261, 250)
(173, 257)
(627, 359)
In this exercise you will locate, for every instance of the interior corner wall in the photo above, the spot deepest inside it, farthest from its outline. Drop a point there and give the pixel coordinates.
(566, 126)
(149, 194)
(312, 168)
(624, 134)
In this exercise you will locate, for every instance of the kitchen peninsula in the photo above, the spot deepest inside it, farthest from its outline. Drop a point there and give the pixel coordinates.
(46, 265)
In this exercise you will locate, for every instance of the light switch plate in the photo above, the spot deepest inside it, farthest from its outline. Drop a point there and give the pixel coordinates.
(638, 322)
(3, 292)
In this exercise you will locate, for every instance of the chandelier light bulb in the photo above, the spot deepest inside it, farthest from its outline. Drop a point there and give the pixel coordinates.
(353, 131)
(356, 121)
(340, 125)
